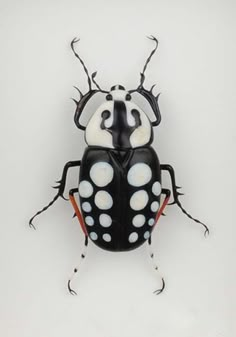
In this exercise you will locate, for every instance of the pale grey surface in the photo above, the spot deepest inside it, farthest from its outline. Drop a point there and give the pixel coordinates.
(195, 71)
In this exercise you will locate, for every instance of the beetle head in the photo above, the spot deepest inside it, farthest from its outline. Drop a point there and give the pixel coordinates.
(118, 122)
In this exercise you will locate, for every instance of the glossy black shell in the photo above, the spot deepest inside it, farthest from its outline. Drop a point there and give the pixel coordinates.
(121, 191)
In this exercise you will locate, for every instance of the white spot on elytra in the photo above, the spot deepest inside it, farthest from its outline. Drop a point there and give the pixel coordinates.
(133, 237)
(146, 235)
(103, 200)
(86, 206)
(93, 236)
(85, 189)
(139, 220)
(101, 173)
(154, 206)
(151, 222)
(156, 188)
(139, 174)
(89, 220)
(105, 220)
(106, 237)
(139, 200)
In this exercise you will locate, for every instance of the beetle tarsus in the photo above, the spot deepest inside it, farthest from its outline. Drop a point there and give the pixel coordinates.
(72, 292)
(159, 291)
(83, 254)
(155, 267)
(31, 225)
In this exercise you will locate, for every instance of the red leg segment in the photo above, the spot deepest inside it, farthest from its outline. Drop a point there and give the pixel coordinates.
(77, 211)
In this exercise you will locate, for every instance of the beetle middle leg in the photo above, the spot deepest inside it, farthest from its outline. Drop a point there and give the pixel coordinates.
(176, 194)
(60, 187)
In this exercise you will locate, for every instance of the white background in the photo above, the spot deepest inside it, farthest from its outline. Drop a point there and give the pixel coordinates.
(195, 71)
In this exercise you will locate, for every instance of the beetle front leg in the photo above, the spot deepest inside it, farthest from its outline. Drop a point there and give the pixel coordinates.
(60, 187)
(176, 194)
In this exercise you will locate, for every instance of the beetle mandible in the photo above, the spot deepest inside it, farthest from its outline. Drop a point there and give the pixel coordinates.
(120, 173)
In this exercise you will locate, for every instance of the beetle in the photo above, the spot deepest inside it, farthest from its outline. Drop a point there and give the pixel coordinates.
(120, 183)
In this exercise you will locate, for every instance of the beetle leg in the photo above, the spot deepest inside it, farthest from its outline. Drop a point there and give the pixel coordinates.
(151, 254)
(176, 194)
(73, 292)
(76, 209)
(166, 192)
(60, 187)
(165, 203)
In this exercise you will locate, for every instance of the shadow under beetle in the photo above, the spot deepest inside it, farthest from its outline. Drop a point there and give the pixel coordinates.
(120, 173)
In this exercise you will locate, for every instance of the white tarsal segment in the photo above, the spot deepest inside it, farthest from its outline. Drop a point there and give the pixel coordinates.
(94, 135)
(139, 200)
(101, 173)
(103, 200)
(139, 174)
(85, 189)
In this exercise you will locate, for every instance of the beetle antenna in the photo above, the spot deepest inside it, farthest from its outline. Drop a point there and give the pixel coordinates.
(75, 40)
(96, 84)
(142, 79)
(73, 292)
(151, 254)
(93, 79)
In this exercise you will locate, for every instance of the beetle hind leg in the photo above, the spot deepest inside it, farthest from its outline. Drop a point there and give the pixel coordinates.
(75, 271)
(151, 254)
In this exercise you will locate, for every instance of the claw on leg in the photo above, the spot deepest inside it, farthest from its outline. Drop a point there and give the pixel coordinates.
(159, 291)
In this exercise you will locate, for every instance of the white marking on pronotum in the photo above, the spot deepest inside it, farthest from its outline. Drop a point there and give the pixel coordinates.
(139, 200)
(133, 237)
(105, 220)
(101, 173)
(94, 134)
(142, 134)
(103, 200)
(139, 174)
(86, 206)
(138, 220)
(85, 189)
